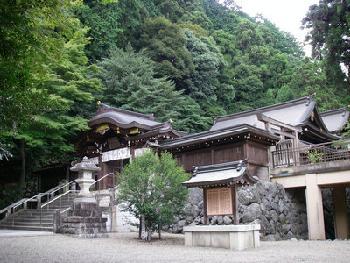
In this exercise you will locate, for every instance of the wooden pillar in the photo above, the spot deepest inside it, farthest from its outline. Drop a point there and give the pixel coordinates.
(100, 173)
(212, 156)
(234, 204)
(205, 206)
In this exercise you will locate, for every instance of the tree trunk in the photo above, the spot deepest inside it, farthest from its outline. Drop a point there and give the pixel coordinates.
(159, 231)
(22, 178)
(140, 227)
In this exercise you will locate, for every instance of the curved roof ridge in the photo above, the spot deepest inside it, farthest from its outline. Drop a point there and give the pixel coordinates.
(334, 111)
(252, 111)
(105, 107)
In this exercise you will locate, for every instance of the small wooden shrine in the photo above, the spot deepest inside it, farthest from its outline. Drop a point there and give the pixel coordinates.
(219, 183)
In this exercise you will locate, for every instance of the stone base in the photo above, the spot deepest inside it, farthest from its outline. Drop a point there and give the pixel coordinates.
(85, 220)
(234, 237)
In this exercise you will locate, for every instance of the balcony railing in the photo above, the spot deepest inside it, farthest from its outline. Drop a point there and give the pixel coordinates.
(313, 154)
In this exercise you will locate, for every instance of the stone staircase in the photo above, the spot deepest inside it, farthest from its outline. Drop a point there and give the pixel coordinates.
(40, 219)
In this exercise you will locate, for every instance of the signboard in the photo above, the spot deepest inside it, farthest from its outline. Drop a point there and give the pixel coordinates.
(219, 201)
(118, 154)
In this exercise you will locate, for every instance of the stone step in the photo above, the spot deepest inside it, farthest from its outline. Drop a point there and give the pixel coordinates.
(26, 227)
(52, 206)
(29, 224)
(30, 220)
(34, 213)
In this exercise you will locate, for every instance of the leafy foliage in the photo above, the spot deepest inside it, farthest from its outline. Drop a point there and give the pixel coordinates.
(188, 61)
(130, 82)
(150, 186)
(329, 24)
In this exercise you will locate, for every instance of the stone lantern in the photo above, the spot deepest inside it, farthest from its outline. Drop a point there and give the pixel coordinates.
(85, 218)
(85, 179)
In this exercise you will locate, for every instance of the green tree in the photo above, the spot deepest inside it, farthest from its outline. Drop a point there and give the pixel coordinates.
(130, 83)
(30, 33)
(65, 88)
(165, 43)
(105, 29)
(328, 24)
(150, 187)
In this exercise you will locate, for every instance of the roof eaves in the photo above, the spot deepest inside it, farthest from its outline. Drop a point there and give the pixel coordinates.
(274, 106)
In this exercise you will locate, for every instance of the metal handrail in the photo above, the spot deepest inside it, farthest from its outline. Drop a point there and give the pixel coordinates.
(57, 197)
(100, 179)
(10, 209)
(70, 191)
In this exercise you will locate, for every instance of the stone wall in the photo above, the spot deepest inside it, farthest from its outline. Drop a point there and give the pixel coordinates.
(281, 213)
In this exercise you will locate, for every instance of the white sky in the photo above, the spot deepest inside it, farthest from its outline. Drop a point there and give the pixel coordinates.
(286, 14)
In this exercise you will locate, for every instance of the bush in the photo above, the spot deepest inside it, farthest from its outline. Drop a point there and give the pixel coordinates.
(150, 186)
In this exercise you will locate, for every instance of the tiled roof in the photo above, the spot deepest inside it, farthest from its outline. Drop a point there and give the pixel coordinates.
(216, 174)
(294, 112)
(217, 134)
(123, 118)
(335, 120)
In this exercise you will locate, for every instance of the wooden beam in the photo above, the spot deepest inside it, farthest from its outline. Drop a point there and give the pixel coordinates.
(205, 206)
(286, 134)
(234, 204)
(265, 119)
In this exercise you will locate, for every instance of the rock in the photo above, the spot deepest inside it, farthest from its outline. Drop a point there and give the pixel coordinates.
(214, 220)
(247, 195)
(227, 220)
(189, 219)
(286, 228)
(252, 212)
(195, 211)
(273, 215)
(195, 196)
(293, 239)
(188, 209)
(220, 220)
(267, 204)
(181, 223)
(290, 235)
(197, 220)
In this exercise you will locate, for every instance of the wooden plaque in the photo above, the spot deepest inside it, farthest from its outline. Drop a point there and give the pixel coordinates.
(219, 201)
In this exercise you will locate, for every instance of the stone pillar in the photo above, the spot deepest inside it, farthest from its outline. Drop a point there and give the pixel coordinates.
(314, 208)
(341, 227)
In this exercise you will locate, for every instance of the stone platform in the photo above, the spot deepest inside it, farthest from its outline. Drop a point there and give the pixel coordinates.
(234, 237)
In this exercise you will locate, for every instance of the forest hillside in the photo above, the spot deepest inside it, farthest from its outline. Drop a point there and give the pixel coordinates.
(184, 60)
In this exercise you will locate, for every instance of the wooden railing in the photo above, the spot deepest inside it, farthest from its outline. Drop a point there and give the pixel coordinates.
(307, 155)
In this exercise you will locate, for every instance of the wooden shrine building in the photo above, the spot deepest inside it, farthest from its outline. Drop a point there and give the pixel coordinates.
(219, 183)
(118, 135)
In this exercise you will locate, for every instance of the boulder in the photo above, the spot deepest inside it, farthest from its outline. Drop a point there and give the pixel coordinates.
(227, 220)
(252, 212)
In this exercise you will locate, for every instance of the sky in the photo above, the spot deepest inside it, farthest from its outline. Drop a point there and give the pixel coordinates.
(285, 14)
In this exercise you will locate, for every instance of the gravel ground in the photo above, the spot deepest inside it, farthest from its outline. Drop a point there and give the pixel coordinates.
(124, 247)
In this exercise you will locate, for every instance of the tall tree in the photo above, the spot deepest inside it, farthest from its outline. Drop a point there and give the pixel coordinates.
(60, 77)
(165, 43)
(130, 83)
(328, 25)
(104, 21)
